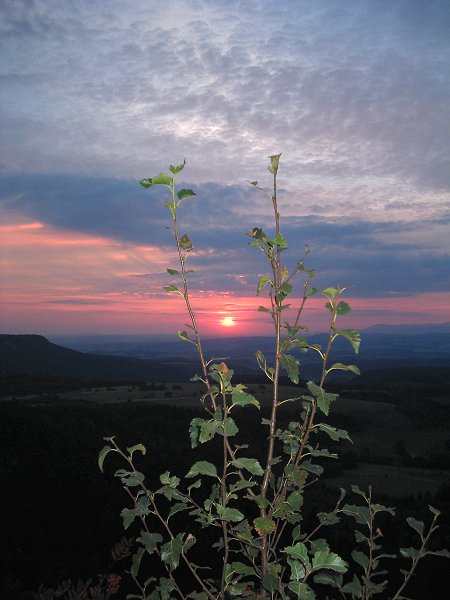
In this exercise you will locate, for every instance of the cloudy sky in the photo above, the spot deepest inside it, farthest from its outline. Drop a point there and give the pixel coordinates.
(96, 94)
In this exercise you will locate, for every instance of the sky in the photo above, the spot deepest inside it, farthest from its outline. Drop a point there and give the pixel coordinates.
(95, 95)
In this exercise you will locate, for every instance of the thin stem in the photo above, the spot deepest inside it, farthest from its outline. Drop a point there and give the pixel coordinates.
(224, 495)
(415, 560)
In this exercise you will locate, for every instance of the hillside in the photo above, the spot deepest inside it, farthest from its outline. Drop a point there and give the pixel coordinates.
(35, 356)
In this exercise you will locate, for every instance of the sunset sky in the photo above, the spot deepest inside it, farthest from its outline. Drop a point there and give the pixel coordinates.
(97, 94)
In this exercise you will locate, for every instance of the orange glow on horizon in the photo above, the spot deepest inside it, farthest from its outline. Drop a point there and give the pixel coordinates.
(56, 281)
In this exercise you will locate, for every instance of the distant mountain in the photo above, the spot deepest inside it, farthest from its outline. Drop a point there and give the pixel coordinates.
(409, 329)
(35, 356)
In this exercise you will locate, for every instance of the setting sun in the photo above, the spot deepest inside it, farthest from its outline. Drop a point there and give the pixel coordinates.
(227, 322)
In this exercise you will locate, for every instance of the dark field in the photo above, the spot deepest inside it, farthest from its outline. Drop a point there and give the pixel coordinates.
(61, 516)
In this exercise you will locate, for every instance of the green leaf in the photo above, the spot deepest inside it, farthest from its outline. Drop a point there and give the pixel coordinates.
(185, 194)
(416, 525)
(171, 288)
(103, 454)
(360, 558)
(329, 560)
(208, 430)
(150, 541)
(232, 428)
(360, 513)
(409, 553)
(274, 163)
(290, 364)
(330, 292)
(280, 240)
(240, 569)
(184, 336)
(136, 562)
(333, 433)
(354, 587)
(342, 367)
(240, 398)
(352, 335)
(167, 479)
(343, 308)
(264, 526)
(171, 552)
(303, 591)
(173, 272)
(249, 464)
(269, 582)
(202, 467)
(264, 309)
(265, 279)
(136, 448)
(324, 399)
(297, 569)
(298, 551)
(229, 514)
(295, 500)
(160, 179)
(185, 243)
(312, 468)
(130, 478)
(178, 168)
(194, 429)
(435, 511)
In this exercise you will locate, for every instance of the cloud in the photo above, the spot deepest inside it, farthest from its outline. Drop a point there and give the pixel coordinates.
(95, 96)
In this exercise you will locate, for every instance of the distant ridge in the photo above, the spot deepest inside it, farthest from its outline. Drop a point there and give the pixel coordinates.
(35, 356)
(409, 328)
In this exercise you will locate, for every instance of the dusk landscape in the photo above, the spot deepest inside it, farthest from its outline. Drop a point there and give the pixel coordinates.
(98, 95)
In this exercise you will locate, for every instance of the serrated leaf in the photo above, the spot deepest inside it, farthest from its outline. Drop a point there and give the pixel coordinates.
(352, 335)
(103, 454)
(416, 525)
(354, 587)
(240, 569)
(230, 514)
(298, 551)
(249, 464)
(171, 552)
(291, 365)
(202, 467)
(242, 399)
(302, 590)
(360, 513)
(333, 433)
(194, 430)
(175, 170)
(307, 465)
(130, 478)
(150, 541)
(324, 399)
(297, 569)
(341, 367)
(329, 560)
(265, 279)
(185, 194)
(208, 430)
(264, 526)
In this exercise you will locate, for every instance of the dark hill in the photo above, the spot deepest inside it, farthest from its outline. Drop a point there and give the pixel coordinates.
(35, 356)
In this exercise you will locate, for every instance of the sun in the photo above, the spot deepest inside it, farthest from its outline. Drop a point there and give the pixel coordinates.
(228, 322)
